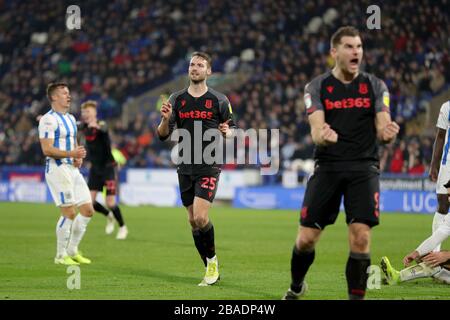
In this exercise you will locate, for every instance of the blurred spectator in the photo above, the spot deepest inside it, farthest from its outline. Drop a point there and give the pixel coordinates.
(125, 48)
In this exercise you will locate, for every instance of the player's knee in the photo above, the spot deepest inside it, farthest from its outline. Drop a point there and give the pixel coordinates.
(308, 245)
(192, 222)
(200, 221)
(87, 210)
(69, 212)
(111, 203)
(305, 243)
(71, 215)
(360, 242)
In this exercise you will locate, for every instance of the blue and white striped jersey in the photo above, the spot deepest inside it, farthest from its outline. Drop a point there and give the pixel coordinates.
(443, 122)
(62, 128)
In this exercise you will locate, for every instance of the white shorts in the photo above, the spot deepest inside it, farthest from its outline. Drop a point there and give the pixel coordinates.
(67, 185)
(443, 178)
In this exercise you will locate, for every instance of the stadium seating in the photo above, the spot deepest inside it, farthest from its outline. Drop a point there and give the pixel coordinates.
(126, 48)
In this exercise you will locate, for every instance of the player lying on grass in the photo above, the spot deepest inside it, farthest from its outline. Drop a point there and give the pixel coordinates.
(429, 264)
(434, 264)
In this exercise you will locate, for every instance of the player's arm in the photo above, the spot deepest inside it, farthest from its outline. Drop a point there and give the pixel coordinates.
(438, 147)
(99, 125)
(435, 259)
(167, 123)
(227, 125)
(77, 162)
(102, 126)
(321, 132)
(47, 127)
(50, 151)
(438, 236)
(387, 129)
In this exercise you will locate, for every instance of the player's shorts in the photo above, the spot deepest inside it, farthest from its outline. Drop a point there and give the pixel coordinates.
(99, 177)
(203, 186)
(67, 185)
(443, 178)
(325, 189)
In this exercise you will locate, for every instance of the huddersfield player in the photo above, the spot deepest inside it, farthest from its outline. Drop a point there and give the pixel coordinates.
(58, 137)
(430, 263)
(188, 108)
(348, 111)
(435, 264)
(440, 166)
(103, 167)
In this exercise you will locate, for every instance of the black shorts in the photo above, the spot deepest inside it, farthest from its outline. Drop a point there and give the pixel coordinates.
(325, 189)
(100, 177)
(203, 186)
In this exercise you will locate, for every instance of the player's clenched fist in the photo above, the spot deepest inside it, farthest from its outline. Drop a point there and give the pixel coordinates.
(224, 128)
(328, 135)
(390, 131)
(78, 152)
(166, 110)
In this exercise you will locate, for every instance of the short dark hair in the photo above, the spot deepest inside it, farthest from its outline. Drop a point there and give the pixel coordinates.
(203, 55)
(53, 86)
(348, 31)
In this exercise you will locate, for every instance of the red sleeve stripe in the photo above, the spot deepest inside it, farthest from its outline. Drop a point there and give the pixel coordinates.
(311, 110)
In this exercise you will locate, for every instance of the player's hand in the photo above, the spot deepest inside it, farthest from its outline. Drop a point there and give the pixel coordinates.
(166, 110)
(328, 135)
(433, 174)
(78, 152)
(410, 258)
(94, 125)
(390, 131)
(77, 162)
(435, 259)
(38, 117)
(224, 128)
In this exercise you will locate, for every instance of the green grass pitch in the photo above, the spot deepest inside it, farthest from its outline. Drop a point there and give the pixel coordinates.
(159, 260)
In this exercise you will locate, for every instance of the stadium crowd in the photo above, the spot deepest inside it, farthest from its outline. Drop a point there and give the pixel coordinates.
(125, 48)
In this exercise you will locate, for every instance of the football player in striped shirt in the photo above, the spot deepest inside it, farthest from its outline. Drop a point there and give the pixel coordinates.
(58, 138)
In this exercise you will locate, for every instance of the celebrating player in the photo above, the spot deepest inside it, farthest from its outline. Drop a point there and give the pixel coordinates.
(103, 167)
(58, 137)
(198, 105)
(348, 111)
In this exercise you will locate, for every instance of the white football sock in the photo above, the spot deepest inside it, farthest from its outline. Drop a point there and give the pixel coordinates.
(78, 229)
(420, 270)
(438, 220)
(62, 236)
(443, 275)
